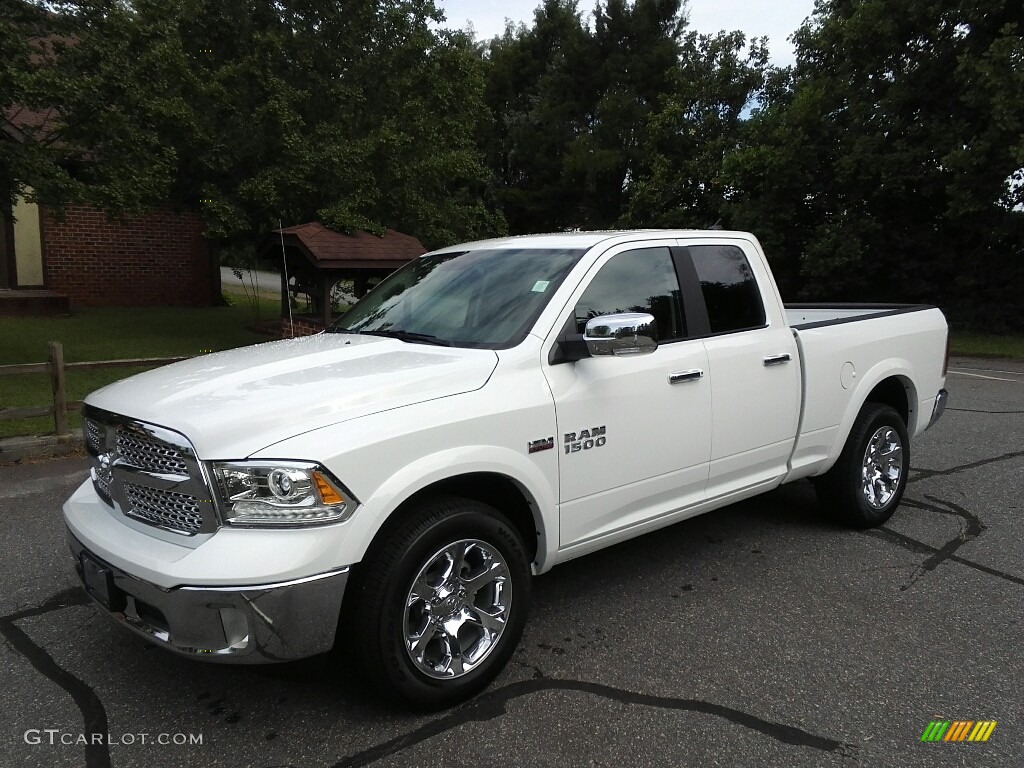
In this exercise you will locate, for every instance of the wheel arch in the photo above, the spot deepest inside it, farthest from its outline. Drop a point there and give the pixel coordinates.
(899, 393)
(523, 490)
(495, 489)
(887, 384)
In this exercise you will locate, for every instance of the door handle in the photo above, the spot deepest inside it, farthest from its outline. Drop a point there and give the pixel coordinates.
(683, 376)
(777, 360)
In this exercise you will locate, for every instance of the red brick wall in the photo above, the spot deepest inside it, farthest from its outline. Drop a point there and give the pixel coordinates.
(156, 258)
(303, 326)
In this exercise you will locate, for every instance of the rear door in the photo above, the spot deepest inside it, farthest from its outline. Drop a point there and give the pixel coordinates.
(753, 362)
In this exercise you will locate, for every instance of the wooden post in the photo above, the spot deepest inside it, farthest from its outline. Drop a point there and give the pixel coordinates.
(361, 285)
(326, 283)
(60, 400)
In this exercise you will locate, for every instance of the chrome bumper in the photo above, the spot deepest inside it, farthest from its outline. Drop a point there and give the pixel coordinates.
(243, 625)
(939, 407)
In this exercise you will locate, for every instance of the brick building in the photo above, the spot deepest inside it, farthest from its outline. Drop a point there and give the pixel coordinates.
(156, 258)
(86, 258)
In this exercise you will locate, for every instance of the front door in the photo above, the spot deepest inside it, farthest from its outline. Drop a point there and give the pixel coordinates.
(634, 430)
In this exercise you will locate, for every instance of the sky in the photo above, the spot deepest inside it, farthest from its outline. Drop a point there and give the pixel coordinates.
(776, 19)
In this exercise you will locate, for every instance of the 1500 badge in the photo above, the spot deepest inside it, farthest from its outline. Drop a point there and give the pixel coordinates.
(595, 437)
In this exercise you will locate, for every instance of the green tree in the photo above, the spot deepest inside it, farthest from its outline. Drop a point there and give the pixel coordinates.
(541, 91)
(881, 172)
(30, 39)
(360, 113)
(699, 121)
(571, 105)
(637, 48)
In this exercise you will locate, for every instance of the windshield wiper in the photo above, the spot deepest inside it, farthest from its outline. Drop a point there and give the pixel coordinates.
(409, 336)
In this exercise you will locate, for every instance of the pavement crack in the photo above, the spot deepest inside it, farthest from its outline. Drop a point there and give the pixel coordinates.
(94, 714)
(919, 547)
(947, 552)
(972, 529)
(924, 474)
(70, 597)
(493, 705)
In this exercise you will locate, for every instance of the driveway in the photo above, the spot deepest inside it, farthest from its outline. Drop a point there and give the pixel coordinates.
(269, 283)
(265, 282)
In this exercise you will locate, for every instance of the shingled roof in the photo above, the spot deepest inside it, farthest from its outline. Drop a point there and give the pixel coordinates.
(17, 121)
(328, 249)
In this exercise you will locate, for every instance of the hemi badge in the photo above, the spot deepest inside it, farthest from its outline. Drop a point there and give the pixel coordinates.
(541, 445)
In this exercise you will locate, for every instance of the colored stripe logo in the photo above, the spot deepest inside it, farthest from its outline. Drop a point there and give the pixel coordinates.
(958, 730)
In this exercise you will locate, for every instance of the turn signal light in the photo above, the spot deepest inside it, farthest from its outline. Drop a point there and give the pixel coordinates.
(327, 492)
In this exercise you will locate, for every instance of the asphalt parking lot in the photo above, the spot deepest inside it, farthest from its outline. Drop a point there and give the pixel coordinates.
(757, 635)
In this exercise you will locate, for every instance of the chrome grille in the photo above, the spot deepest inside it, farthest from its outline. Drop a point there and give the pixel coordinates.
(102, 485)
(149, 473)
(150, 455)
(93, 436)
(177, 511)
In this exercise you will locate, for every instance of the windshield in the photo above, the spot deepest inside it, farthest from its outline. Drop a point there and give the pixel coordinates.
(487, 299)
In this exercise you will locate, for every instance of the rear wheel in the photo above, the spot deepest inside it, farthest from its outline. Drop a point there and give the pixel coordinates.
(440, 602)
(866, 484)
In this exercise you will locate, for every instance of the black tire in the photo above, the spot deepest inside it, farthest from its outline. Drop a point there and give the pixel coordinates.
(841, 490)
(376, 614)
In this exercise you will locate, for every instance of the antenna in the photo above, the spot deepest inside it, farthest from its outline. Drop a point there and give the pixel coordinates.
(717, 226)
(284, 263)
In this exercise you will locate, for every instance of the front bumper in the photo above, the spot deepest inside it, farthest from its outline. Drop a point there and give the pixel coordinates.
(244, 624)
(939, 408)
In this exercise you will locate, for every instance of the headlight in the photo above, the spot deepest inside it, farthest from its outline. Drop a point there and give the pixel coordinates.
(280, 493)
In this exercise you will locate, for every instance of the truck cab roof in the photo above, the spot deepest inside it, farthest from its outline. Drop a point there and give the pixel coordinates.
(587, 239)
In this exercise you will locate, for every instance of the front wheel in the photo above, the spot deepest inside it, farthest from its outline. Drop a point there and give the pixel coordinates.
(867, 482)
(440, 603)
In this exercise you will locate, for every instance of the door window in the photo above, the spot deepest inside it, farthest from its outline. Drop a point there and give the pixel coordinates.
(730, 290)
(643, 280)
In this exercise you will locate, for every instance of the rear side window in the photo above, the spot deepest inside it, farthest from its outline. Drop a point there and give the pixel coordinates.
(730, 290)
(643, 280)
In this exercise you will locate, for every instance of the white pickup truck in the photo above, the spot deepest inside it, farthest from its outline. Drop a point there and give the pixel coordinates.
(487, 412)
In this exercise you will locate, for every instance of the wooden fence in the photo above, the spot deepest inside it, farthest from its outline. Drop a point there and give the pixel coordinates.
(57, 368)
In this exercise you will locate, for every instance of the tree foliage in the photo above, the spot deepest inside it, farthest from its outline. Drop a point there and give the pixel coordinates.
(540, 90)
(360, 113)
(883, 170)
(575, 108)
(679, 181)
(886, 165)
(29, 40)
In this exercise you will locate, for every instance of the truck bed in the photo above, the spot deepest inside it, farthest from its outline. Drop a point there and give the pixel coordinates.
(845, 349)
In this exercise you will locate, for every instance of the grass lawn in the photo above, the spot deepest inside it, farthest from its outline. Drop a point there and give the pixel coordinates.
(112, 334)
(982, 345)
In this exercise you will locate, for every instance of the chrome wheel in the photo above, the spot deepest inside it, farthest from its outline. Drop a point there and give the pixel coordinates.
(457, 609)
(882, 467)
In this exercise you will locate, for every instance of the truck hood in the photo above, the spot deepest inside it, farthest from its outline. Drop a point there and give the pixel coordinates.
(234, 403)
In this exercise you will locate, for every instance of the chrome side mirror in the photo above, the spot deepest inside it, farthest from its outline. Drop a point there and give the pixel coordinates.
(627, 333)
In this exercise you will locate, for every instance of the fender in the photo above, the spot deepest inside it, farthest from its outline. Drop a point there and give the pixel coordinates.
(886, 369)
(463, 460)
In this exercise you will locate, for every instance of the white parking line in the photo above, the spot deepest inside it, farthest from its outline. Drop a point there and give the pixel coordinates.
(995, 370)
(979, 376)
